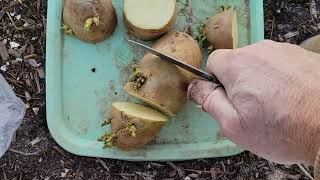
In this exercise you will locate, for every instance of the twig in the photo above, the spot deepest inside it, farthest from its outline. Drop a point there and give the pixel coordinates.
(103, 164)
(14, 24)
(313, 10)
(5, 176)
(305, 171)
(23, 153)
(59, 151)
(77, 176)
(272, 27)
(208, 172)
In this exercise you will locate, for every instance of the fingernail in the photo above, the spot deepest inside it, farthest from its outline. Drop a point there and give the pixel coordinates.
(199, 90)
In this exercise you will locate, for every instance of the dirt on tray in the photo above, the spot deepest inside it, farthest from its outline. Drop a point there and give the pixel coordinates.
(35, 155)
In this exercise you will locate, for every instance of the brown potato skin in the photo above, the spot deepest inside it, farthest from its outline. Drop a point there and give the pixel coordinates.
(146, 130)
(183, 47)
(150, 34)
(219, 30)
(76, 12)
(312, 44)
(166, 85)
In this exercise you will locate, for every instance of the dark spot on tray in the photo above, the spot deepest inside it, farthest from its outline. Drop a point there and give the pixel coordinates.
(93, 70)
(115, 93)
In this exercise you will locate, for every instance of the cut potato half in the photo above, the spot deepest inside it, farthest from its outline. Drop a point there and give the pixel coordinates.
(133, 125)
(222, 30)
(90, 21)
(149, 19)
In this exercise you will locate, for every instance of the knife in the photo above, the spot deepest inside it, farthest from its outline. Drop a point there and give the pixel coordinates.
(179, 63)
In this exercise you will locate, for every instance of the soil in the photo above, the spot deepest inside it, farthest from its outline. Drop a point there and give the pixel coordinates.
(35, 155)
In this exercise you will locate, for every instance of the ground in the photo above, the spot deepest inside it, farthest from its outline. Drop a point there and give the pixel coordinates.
(34, 154)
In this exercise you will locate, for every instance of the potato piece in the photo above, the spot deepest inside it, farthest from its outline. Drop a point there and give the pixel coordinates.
(222, 30)
(161, 84)
(90, 21)
(149, 19)
(164, 87)
(312, 44)
(133, 125)
(183, 47)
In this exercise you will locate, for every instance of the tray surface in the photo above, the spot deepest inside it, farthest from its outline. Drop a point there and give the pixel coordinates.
(84, 79)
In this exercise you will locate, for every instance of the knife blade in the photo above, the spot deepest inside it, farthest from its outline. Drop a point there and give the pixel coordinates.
(179, 63)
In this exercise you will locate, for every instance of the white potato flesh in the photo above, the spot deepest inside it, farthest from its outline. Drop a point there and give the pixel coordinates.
(139, 111)
(149, 14)
(235, 30)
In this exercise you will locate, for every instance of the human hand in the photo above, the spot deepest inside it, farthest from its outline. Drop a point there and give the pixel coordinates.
(270, 103)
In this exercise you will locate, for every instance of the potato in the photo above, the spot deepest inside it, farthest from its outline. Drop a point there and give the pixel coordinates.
(222, 30)
(161, 84)
(90, 21)
(133, 125)
(149, 19)
(183, 47)
(163, 87)
(312, 44)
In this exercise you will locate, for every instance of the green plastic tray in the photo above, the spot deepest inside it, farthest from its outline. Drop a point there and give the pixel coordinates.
(78, 98)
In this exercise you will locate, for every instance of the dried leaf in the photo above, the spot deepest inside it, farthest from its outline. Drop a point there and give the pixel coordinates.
(36, 78)
(3, 51)
(41, 72)
(33, 63)
(14, 44)
(27, 80)
(36, 140)
(22, 49)
(27, 95)
(35, 110)
(14, 53)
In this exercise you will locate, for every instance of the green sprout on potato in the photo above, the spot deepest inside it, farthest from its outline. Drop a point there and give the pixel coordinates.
(66, 28)
(106, 122)
(224, 8)
(108, 140)
(91, 22)
(137, 77)
(200, 35)
(131, 129)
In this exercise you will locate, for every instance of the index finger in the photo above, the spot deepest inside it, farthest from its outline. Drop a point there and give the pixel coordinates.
(217, 64)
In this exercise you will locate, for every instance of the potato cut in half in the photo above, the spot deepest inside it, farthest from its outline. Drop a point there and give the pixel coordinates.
(312, 44)
(222, 30)
(90, 21)
(149, 19)
(133, 125)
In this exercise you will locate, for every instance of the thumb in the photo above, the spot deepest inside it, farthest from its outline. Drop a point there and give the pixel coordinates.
(213, 100)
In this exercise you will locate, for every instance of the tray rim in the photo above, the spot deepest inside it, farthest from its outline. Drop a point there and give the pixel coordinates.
(54, 97)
